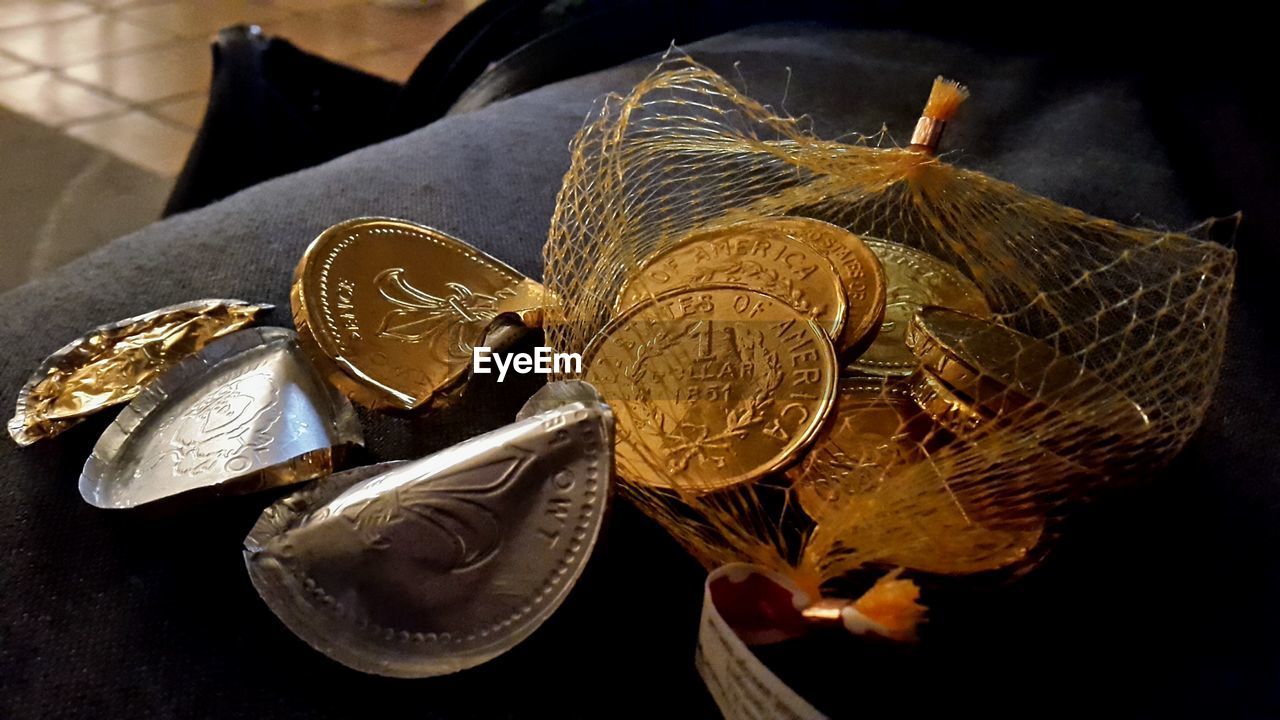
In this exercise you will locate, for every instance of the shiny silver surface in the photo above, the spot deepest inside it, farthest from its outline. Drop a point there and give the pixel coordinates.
(246, 412)
(443, 563)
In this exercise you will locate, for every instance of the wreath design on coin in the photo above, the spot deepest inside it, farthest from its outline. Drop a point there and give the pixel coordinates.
(684, 442)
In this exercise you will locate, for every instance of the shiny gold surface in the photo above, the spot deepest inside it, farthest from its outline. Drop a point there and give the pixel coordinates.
(1024, 383)
(873, 426)
(759, 255)
(1001, 369)
(942, 404)
(112, 363)
(915, 279)
(390, 310)
(712, 387)
(859, 269)
(764, 255)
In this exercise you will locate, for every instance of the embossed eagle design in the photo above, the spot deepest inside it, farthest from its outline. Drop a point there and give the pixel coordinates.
(463, 504)
(417, 315)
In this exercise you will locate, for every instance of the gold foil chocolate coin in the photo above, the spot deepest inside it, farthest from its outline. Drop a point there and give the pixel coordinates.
(860, 271)
(759, 255)
(996, 369)
(763, 255)
(874, 426)
(712, 387)
(391, 310)
(1002, 369)
(914, 519)
(942, 404)
(915, 279)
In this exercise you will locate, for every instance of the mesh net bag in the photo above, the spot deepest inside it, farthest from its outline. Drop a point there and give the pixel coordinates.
(1137, 316)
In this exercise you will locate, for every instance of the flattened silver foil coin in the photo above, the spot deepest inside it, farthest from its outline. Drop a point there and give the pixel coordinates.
(245, 413)
(443, 563)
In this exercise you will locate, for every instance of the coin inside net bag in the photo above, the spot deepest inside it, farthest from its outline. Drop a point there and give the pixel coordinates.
(1054, 400)
(915, 279)
(439, 564)
(762, 256)
(246, 413)
(713, 387)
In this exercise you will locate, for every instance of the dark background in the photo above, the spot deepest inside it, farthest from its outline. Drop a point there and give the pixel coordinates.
(1158, 603)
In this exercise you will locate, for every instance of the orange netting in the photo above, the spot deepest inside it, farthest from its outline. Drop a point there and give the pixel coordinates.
(1143, 310)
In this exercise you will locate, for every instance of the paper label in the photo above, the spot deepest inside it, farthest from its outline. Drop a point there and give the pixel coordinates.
(741, 685)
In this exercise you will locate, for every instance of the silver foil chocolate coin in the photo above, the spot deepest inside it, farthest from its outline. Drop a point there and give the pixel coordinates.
(439, 564)
(245, 413)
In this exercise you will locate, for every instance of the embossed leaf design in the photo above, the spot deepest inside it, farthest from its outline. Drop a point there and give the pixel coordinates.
(418, 315)
(412, 325)
(758, 275)
(461, 503)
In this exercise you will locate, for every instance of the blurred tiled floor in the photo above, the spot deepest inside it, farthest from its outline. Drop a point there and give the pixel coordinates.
(131, 76)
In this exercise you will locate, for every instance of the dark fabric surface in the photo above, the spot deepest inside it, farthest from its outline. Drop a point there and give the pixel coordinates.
(1160, 603)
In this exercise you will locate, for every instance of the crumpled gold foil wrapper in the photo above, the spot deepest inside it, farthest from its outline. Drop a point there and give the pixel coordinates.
(111, 364)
